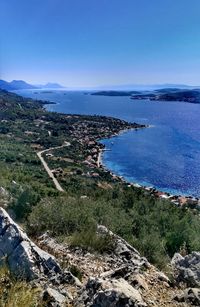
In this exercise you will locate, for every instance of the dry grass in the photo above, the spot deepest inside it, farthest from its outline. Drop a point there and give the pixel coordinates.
(15, 293)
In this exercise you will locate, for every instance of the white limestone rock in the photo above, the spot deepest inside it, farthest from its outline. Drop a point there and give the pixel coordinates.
(109, 293)
(187, 269)
(23, 257)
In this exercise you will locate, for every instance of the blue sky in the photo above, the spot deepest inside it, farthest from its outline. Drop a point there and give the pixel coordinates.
(100, 42)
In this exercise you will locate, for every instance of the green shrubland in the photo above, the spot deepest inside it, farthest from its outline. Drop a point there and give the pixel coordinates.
(157, 229)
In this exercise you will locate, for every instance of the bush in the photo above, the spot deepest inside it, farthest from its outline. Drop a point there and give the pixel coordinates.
(23, 204)
(89, 240)
(156, 228)
(61, 216)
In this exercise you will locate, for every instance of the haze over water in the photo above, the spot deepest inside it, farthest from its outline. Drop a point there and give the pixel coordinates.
(166, 156)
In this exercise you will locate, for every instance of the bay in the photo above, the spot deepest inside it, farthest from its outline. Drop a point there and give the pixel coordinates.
(166, 155)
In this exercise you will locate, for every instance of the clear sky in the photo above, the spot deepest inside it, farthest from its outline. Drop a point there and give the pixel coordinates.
(100, 42)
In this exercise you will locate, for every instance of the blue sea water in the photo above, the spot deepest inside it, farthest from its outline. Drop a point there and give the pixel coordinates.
(166, 155)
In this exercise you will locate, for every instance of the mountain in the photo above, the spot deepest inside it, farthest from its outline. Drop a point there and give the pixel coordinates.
(52, 85)
(4, 85)
(22, 85)
(15, 85)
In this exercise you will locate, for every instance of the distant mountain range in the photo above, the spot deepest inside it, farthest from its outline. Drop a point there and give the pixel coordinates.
(22, 85)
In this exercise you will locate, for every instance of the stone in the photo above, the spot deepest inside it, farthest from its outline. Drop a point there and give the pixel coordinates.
(72, 279)
(65, 277)
(190, 296)
(123, 250)
(138, 281)
(117, 273)
(53, 298)
(109, 293)
(187, 269)
(24, 258)
(161, 276)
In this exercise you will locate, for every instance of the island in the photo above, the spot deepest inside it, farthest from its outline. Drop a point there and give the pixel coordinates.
(165, 94)
(191, 96)
(115, 93)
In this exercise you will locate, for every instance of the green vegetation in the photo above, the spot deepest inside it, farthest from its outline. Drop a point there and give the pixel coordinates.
(156, 228)
(89, 240)
(17, 293)
(92, 196)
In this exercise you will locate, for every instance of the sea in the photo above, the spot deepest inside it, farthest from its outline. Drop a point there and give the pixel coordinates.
(166, 155)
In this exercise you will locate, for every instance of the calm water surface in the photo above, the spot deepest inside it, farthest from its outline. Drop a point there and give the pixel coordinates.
(167, 155)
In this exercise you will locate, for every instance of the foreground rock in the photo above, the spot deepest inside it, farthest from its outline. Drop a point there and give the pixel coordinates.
(190, 296)
(53, 298)
(119, 278)
(23, 257)
(123, 261)
(109, 293)
(187, 269)
(27, 261)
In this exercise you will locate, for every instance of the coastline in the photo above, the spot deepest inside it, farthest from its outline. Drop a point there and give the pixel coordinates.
(179, 200)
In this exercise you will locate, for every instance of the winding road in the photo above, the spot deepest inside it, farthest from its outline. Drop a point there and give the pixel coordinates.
(48, 170)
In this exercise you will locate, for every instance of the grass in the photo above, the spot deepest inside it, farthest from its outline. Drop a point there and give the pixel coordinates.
(15, 293)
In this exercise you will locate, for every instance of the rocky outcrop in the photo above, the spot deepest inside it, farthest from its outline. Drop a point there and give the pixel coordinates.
(187, 269)
(123, 254)
(190, 296)
(112, 293)
(53, 298)
(24, 258)
(119, 278)
(122, 261)
(102, 273)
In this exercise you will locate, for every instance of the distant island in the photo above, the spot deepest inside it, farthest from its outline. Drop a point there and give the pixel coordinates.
(22, 85)
(192, 96)
(164, 94)
(115, 93)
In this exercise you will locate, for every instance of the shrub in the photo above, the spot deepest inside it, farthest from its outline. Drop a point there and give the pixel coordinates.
(89, 240)
(156, 228)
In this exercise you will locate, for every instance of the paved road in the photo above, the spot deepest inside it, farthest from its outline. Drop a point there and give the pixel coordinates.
(48, 170)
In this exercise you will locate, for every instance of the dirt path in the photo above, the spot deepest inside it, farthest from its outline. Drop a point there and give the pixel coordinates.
(48, 170)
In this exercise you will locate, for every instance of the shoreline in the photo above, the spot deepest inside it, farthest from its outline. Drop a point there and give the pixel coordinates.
(176, 199)
(179, 200)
